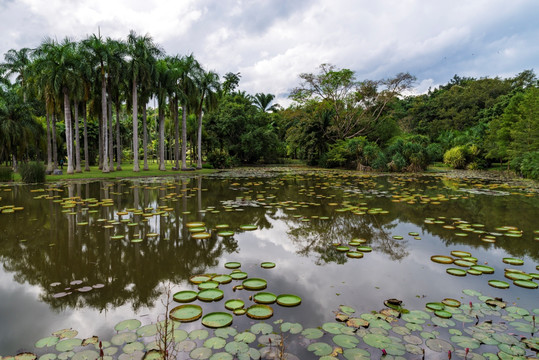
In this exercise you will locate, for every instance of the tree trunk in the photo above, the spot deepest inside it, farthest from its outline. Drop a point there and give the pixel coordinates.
(111, 137)
(199, 142)
(136, 167)
(145, 137)
(105, 158)
(100, 130)
(77, 139)
(54, 144)
(176, 135)
(49, 147)
(184, 136)
(118, 143)
(69, 133)
(86, 157)
(161, 139)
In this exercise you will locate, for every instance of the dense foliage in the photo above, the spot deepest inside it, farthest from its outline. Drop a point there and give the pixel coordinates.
(103, 101)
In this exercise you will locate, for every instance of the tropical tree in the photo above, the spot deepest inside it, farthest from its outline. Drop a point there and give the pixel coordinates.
(18, 63)
(262, 102)
(186, 87)
(143, 53)
(207, 88)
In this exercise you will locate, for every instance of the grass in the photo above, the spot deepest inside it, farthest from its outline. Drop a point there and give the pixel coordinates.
(126, 172)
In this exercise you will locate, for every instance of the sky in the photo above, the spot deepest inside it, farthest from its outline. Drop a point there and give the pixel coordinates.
(270, 42)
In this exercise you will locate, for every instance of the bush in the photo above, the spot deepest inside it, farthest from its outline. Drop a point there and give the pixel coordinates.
(32, 172)
(529, 165)
(6, 173)
(456, 157)
(435, 152)
(220, 159)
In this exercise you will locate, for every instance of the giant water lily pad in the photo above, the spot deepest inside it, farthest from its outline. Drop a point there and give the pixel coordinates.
(442, 259)
(254, 284)
(131, 324)
(185, 296)
(217, 320)
(222, 279)
(69, 344)
(288, 300)
(248, 227)
(200, 353)
(528, 284)
(238, 275)
(356, 354)
(264, 298)
(259, 311)
(215, 343)
(439, 345)
(232, 265)
(498, 284)
(455, 271)
(483, 268)
(261, 328)
(197, 279)
(208, 285)
(267, 265)
(312, 333)
(513, 261)
(210, 295)
(186, 313)
(234, 304)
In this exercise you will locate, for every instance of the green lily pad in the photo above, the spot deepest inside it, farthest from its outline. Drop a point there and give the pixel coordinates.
(451, 302)
(254, 284)
(354, 254)
(333, 328)
(225, 233)
(217, 320)
(69, 344)
(356, 354)
(147, 330)
(132, 347)
(312, 333)
(131, 324)
(210, 284)
(498, 284)
(199, 334)
(200, 353)
(288, 300)
(320, 348)
(232, 265)
(236, 347)
(47, 341)
(528, 284)
(245, 337)
(234, 304)
(364, 248)
(435, 306)
(248, 227)
(465, 341)
(210, 295)
(460, 254)
(442, 259)
(293, 328)
(267, 265)
(483, 268)
(221, 356)
(261, 328)
(225, 332)
(346, 341)
(264, 298)
(197, 279)
(416, 317)
(513, 261)
(442, 322)
(215, 343)
(443, 314)
(222, 279)
(259, 311)
(83, 355)
(238, 275)
(186, 313)
(523, 327)
(439, 345)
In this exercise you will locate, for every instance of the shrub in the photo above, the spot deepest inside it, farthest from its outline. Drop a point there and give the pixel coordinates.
(435, 152)
(456, 157)
(220, 159)
(32, 172)
(6, 173)
(529, 165)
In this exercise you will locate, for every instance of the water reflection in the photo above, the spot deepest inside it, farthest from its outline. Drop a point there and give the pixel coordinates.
(300, 216)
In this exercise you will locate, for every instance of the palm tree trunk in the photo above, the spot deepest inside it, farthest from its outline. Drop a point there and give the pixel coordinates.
(106, 168)
(161, 138)
(54, 144)
(176, 135)
(49, 149)
(136, 167)
(145, 137)
(111, 137)
(86, 157)
(77, 139)
(199, 142)
(100, 128)
(69, 133)
(118, 144)
(184, 136)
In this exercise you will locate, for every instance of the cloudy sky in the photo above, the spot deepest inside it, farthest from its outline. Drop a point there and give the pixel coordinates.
(270, 42)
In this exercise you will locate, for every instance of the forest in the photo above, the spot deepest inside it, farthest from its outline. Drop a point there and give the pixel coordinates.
(106, 102)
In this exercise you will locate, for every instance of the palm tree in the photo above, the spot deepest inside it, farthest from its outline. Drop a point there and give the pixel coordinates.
(262, 101)
(207, 88)
(143, 53)
(98, 55)
(163, 89)
(18, 63)
(186, 87)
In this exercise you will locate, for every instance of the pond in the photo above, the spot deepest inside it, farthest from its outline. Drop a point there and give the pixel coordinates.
(88, 255)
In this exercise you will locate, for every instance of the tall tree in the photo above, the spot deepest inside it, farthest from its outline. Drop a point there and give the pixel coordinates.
(207, 88)
(18, 63)
(163, 89)
(262, 102)
(143, 53)
(187, 91)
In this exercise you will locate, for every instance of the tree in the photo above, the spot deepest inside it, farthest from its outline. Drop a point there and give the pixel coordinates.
(230, 83)
(143, 53)
(186, 87)
(18, 63)
(207, 87)
(263, 101)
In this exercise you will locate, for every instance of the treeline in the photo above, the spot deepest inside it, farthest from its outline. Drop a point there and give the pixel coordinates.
(337, 121)
(102, 101)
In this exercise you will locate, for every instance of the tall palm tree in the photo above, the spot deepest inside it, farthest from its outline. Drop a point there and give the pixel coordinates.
(163, 89)
(262, 102)
(143, 53)
(207, 88)
(18, 63)
(186, 87)
(98, 54)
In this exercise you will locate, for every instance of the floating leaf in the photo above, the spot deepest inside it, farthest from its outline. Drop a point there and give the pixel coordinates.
(528, 284)
(254, 284)
(455, 272)
(199, 334)
(248, 227)
(442, 259)
(267, 265)
(200, 353)
(238, 275)
(184, 296)
(346, 341)
(186, 313)
(234, 304)
(320, 348)
(288, 300)
(236, 347)
(513, 261)
(69, 344)
(451, 302)
(439, 345)
(222, 279)
(264, 298)
(293, 328)
(245, 336)
(217, 320)
(356, 354)
(47, 341)
(210, 295)
(215, 343)
(312, 333)
(498, 284)
(232, 265)
(259, 311)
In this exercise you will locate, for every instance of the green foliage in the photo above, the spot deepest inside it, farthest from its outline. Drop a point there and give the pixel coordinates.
(529, 165)
(435, 152)
(32, 172)
(6, 173)
(220, 159)
(456, 157)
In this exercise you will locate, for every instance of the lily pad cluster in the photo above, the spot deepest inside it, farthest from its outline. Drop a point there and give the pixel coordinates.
(73, 286)
(354, 249)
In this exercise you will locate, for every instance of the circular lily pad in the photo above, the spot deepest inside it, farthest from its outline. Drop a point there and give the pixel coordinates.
(248, 227)
(528, 284)
(194, 224)
(259, 312)
(513, 261)
(225, 233)
(439, 345)
(443, 314)
(483, 268)
(451, 302)
(69, 344)
(185, 296)
(346, 341)
(442, 259)
(498, 284)
(364, 248)
(463, 263)
(238, 275)
(354, 254)
(234, 304)
(197, 279)
(460, 254)
(47, 341)
(131, 324)
(517, 276)
(186, 313)
(264, 298)
(222, 279)
(217, 320)
(342, 248)
(254, 284)
(201, 235)
(210, 295)
(320, 348)
(267, 265)
(435, 306)
(455, 271)
(232, 265)
(288, 300)
(208, 285)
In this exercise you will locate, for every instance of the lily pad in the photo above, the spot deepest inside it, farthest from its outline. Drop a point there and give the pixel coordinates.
(455, 271)
(186, 313)
(47, 341)
(184, 296)
(460, 254)
(267, 265)
(259, 311)
(320, 348)
(232, 265)
(197, 279)
(439, 345)
(210, 295)
(451, 302)
(210, 284)
(442, 259)
(217, 320)
(434, 306)
(238, 275)
(483, 268)
(288, 300)
(222, 279)
(513, 261)
(254, 284)
(312, 333)
(528, 284)
(346, 341)
(261, 328)
(69, 344)
(248, 227)
(234, 304)
(264, 298)
(498, 284)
